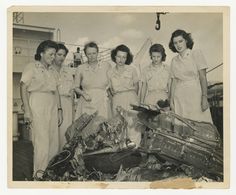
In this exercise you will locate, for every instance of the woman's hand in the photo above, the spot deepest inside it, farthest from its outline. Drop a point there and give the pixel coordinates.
(72, 92)
(87, 97)
(60, 117)
(110, 92)
(204, 103)
(28, 118)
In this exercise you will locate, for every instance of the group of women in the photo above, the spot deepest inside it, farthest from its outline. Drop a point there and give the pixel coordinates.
(48, 87)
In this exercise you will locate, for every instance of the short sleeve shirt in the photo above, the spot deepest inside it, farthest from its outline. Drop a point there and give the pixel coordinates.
(186, 68)
(39, 79)
(65, 80)
(90, 77)
(157, 77)
(123, 81)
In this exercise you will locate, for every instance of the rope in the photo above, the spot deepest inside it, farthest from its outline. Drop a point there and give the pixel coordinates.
(214, 68)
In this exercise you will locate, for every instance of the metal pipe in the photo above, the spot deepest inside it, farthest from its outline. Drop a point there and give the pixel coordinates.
(58, 35)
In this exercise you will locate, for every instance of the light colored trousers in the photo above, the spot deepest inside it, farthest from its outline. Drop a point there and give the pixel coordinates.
(45, 136)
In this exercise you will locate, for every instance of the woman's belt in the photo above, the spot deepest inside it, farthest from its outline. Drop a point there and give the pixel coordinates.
(65, 95)
(98, 90)
(157, 90)
(123, 91)
(43, 92)
(179, 81)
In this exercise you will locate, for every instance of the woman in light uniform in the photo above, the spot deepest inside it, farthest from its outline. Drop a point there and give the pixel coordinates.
(188, 94)
(155, 77)
(92, 77)
(64, 76)
(42, 104)
(123, 81)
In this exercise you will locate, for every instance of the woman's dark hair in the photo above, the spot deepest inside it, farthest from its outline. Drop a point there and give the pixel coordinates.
(43, 46)
(158, 48)
(185, 35)
(62, 46)
(91, 44)
(123, 48)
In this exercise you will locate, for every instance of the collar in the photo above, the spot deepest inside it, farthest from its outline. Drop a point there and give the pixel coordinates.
(89, 67)
(186, 54)
(152, 67)
(40, 65)
(126, 69)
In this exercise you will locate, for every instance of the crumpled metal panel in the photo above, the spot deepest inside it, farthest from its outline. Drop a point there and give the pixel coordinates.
(182, 141)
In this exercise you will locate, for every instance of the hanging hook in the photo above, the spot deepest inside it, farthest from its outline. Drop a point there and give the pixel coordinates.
(158, 22)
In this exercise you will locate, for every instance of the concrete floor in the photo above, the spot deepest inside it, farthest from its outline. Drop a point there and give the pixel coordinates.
(22, 160)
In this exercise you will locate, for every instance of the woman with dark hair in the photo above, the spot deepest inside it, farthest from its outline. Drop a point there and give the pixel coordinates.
(42, 104)
(92, 77)
(155, 77)
(123, 81)
(64, 76)
(188, 93)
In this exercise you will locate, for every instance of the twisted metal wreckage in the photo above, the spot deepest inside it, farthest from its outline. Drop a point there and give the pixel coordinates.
(171, 146)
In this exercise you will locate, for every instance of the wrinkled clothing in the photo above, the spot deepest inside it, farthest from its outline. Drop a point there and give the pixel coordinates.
(188, 93)
(94, 82)
(121, 82)
(98, 103)
(45, 136)
(65, 80)
(123, 86)
(157, 79)
(42, 85)
(124, 99)
(37, 78)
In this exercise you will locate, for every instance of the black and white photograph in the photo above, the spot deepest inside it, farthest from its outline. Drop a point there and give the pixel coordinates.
(117, 95)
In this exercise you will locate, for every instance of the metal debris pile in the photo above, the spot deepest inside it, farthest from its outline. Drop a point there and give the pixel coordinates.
(97, 149)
